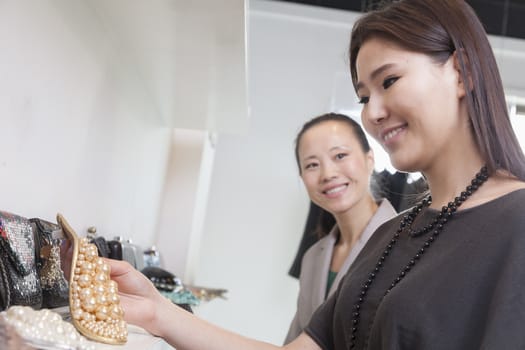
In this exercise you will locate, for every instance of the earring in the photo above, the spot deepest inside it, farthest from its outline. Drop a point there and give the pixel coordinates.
(93, 297)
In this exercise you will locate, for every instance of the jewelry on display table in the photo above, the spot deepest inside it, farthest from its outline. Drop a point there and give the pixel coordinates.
(87, 317)
(51, 329)
(207, 294)
(44, 329)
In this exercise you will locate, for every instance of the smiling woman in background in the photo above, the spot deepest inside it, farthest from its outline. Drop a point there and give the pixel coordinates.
(335, 163)
(449, 273)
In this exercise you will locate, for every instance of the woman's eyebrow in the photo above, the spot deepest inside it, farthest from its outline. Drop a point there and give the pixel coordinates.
(346, 148)
(309, 158)
(375, 73)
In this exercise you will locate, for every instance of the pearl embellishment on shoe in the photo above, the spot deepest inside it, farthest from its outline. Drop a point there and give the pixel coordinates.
(94, 302)
(93, 297)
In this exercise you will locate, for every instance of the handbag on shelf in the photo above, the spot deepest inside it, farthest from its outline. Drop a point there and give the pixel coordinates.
(19, 282)
(99, 241)
(55, 288)
(132, 253)
(115, 249)
(43, 233)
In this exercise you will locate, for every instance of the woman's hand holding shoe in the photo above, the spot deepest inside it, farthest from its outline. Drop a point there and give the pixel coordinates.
(138, 296)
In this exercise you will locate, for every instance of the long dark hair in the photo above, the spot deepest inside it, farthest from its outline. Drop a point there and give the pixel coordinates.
(439, 29)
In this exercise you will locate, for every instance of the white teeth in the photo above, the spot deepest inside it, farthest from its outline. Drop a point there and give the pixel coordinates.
(391, 134)
(336, 189)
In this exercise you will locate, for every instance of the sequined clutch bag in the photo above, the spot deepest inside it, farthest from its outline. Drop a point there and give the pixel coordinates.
(55, 288)
(19, 282)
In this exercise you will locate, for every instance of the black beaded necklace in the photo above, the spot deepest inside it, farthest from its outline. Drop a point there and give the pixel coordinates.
(435, 226)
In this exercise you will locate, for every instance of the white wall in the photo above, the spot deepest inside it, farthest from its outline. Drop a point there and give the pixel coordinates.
(90, 93)
(184, 201)
(79, 135)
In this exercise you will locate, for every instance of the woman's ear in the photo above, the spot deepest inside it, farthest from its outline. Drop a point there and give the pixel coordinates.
(370, 161)
(457, 58)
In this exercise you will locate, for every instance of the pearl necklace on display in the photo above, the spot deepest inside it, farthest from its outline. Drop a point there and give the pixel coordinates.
(44, 329)
(435, 227)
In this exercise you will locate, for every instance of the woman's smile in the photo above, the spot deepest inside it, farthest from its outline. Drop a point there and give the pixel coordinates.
(335, 191)
(392, 135)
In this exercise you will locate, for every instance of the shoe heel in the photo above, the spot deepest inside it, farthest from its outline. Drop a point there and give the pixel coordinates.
(93, 297)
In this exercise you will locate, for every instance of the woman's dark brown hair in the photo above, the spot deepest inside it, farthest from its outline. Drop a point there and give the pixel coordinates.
(438, 28)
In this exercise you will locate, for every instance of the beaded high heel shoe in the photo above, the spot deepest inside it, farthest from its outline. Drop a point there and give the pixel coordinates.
(93, 297)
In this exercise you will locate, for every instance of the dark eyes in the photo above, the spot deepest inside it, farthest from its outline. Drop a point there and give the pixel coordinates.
(364, 99)
(310, 166)
(386, 84)
(314, 165)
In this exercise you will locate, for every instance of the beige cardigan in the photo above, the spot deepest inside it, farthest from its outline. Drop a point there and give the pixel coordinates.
(316, 264)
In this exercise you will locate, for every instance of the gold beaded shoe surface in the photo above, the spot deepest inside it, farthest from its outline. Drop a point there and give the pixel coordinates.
(93, 297)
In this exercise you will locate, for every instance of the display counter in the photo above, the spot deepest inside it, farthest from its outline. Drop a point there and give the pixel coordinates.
(138, 339)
